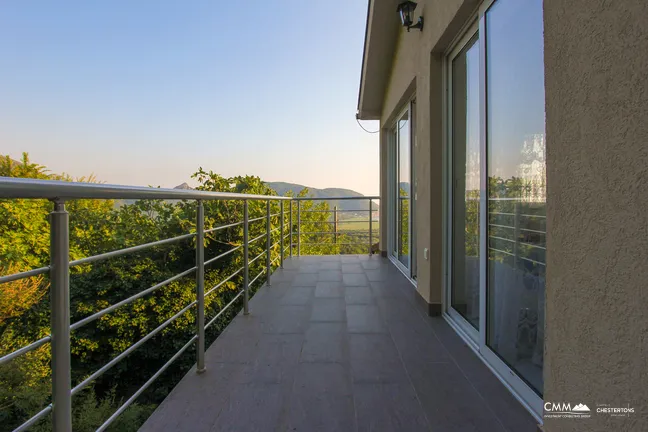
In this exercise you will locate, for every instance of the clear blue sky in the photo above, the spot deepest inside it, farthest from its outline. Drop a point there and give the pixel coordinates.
(145, 92)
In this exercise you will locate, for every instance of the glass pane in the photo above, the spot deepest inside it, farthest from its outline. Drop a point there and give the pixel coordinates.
(412, 192)
(516, 186)
(403, 127)
(466, 183)
(394, 192)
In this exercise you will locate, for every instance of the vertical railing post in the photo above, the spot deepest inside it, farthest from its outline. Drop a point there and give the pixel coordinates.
(200, 286)
(281, 233)
(268, 243)
(298, 228)
(246, 293)
(291, 227)
(370, 227)
(60, 318)
(335, 225)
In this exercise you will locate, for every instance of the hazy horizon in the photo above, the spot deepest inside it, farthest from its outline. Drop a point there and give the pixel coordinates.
(146, 93)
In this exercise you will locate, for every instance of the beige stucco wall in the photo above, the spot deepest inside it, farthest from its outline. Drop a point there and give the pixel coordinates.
(596, 83)
(417, 71)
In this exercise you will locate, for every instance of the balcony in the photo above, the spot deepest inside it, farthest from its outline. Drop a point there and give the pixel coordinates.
(336, 343)
(317, 342)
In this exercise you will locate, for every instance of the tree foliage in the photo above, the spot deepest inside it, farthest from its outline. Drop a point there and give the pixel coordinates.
(99, 226)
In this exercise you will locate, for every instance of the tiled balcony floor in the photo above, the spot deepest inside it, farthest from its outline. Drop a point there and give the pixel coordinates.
(338, 344)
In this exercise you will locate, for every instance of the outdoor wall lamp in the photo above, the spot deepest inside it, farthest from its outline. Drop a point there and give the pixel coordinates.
(405, 10)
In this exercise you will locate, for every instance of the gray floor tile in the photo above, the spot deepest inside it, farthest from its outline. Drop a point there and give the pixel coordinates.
(287, 319)
(251, 407)
(355, 279)
(364, 319)
(330, 265)
(298, 296)
(388, 407)
(318, 355)
(352, 268)
(329, 276)
(325, 342)
(450, 402)
(329, 290)
(358, 295)
(322, 399)
(305, 279)
(309, 268)
(328, 309)
(375, 359)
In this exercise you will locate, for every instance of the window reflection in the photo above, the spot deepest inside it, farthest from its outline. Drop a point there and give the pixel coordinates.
(466, 182)
(516, 186)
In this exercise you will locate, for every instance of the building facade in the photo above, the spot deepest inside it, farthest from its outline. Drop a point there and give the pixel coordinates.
(513, 160)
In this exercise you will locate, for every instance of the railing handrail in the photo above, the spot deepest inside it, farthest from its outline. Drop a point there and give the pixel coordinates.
(15, 187)
(59, 268)
(342, 198)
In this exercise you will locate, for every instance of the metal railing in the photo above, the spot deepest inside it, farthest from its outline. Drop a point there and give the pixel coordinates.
(59, 271)
(328, 231)
(516, 229)
(60, 193)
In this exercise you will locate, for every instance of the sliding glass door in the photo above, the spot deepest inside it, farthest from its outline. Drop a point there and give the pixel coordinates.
(516, 186)
(401, 179)
(497, 193)
(465, 170)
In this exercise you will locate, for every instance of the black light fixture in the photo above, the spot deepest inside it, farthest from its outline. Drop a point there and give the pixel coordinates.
(405, 10)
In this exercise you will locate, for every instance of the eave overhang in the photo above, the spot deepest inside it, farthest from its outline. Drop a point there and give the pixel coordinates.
(381, 33)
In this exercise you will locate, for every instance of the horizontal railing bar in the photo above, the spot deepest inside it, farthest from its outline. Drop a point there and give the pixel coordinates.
(337, 198)
(132, 399)
(25, 274)
(333, 211)
(521, 214)
(276, 214)
(520, 243)
(342, 221)
(335, 244)
(261, 273)
(512, 199)
(286, 236)
(130, 349)
(275, 260)
(223, 227)
(520, 257)
(339, 232)
(211, 321)
(103, 312)
(211, 260)
(532, 260)
(257, 238)
(257, 257)
(276, 229)
(119, 252)
(222, 282)
(276, 244)
(256, 219)
(32, 346)
(11, 187)
(521, 229)
(32, 421)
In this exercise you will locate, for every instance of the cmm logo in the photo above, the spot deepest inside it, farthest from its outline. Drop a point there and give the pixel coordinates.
(563, 409)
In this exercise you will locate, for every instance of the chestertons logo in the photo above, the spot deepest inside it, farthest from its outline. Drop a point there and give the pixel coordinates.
(566, 410)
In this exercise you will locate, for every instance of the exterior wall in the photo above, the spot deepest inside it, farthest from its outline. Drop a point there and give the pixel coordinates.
(596, 58)
(596, 63)
(417, 71)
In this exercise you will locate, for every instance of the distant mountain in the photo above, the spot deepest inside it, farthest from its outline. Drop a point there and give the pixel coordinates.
(282, 187)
